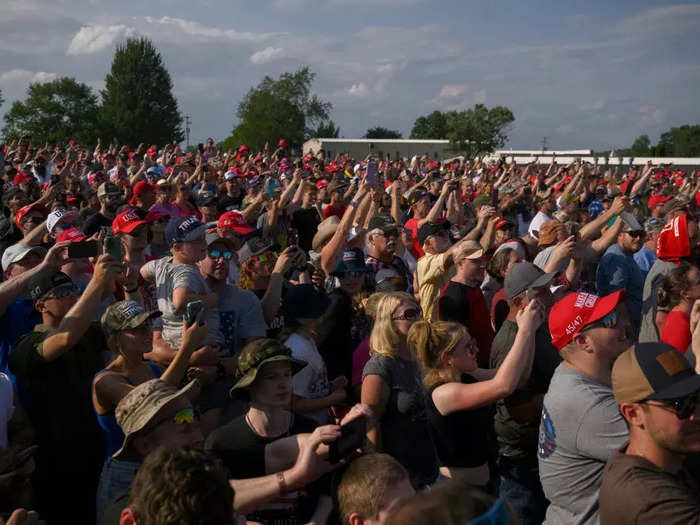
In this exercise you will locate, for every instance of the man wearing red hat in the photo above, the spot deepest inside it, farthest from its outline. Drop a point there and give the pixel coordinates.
(581, 427)
(143, 195)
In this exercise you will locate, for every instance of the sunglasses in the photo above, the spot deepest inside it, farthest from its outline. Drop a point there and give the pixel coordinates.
(215, 254)
(264, 257)
(683, 407)
(409, 315)
(609, 321)
(635, 233)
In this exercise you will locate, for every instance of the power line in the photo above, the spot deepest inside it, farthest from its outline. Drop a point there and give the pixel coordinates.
(188, 122)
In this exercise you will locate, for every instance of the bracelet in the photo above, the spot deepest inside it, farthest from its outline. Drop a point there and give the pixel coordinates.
(281, 482)
(354, 204)
(132, 290)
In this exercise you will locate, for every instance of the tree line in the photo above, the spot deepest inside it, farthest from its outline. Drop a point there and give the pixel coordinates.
(137, 105)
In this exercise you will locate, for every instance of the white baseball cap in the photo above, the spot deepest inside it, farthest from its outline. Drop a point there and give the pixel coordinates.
(17, 252)
(56, 216)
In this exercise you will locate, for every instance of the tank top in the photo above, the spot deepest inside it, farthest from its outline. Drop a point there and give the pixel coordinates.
(114, 437)
(461, 438)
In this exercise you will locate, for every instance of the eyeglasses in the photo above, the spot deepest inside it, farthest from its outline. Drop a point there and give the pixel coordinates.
(683, 407)
(216, 254)
(63, 291)
(393, 234)
(409, 315)
(609, 321)
(635, 233)
(264, 257)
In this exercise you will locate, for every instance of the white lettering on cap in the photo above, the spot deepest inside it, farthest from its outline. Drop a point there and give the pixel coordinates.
(573, 325)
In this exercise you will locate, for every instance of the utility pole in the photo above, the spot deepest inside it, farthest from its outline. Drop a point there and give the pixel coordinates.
(544, 143)
(188, 122)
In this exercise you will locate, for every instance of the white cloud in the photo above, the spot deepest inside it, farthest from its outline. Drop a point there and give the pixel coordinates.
(358, 90)
(175, 28)
(24, 76)
(452, 90)
(267, 55)
(96, 38)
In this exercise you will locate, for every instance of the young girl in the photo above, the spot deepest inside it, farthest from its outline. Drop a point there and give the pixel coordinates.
(458, 393)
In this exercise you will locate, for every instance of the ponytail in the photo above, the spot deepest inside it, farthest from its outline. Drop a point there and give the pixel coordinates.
(430, 341)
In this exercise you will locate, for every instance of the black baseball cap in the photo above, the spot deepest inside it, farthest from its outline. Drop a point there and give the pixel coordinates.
(41, 284)
(431, 228)
(384, 222)
(652, 371)
(351, 260)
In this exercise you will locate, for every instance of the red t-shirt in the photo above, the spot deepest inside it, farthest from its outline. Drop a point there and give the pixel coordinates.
(676, 330)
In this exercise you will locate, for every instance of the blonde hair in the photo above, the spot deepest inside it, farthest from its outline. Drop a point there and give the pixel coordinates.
(431, 341)
(372, 303)
(385, 339)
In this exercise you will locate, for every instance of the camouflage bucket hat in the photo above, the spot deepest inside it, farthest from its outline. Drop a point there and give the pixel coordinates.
(256, 354)
(125, 315)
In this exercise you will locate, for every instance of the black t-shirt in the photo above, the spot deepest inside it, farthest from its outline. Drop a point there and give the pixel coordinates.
(228, 203)
(336, 329)
(243, 451)
(94, 222)
(461, 438)
(306, 222)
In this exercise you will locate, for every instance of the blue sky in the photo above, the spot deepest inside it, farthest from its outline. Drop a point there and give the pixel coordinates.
(584, 74)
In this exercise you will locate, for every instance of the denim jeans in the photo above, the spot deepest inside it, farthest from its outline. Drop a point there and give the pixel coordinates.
(520, 485)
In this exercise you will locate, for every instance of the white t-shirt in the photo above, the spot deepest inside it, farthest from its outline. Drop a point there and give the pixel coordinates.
(312, 380)
(7, 407)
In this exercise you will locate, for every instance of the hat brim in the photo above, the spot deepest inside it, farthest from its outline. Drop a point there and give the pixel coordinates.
(196, 234)
(604, 306)
(154, 409)
(141, 318)
(543, 280)
(248, 378)
(683, 388)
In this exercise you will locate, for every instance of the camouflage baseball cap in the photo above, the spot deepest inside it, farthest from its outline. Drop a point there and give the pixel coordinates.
(256, 354)
(124, 315)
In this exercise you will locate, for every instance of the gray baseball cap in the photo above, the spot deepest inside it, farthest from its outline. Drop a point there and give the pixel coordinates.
(525, 276)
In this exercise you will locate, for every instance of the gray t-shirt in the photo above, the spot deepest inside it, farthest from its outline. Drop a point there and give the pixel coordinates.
(648, 332)
(168, 277)
(404, 424)
(581, 429)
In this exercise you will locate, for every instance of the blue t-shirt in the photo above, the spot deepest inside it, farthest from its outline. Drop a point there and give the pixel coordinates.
(619, 271)
(20, 318)
(645, 259)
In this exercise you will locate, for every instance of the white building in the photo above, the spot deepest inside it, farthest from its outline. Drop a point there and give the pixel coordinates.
(360, 148)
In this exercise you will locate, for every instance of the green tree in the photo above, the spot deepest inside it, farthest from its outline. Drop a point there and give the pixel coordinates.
(382, 133)
(641, 146)
(54, 111)
(2, 100)
(137, 102)
(683, 141)
(433, 126)
(327, 130)
(282, 108)
(478, 130)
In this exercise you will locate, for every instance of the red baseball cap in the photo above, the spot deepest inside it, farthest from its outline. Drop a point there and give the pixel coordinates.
(127, 221)
(140, 188)
(26, 209)
(578, 309)
(283, 143)
(72, 235)
(242, 148)
(322, 184)
(657, 199)
(233, 220)
(151, 151)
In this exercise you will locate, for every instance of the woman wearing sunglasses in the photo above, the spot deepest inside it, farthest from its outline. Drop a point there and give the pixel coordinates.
(677, 293)
(391, 386)
(459, 394)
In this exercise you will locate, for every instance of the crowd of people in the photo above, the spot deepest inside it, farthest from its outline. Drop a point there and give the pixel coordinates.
(249, 336)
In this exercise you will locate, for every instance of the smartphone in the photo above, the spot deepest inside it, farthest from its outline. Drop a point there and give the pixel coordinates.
(270, 187)
(494, 198)
(113, 246)
(371, 172)
(192, 311)
(79, 250)
(352, 437)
